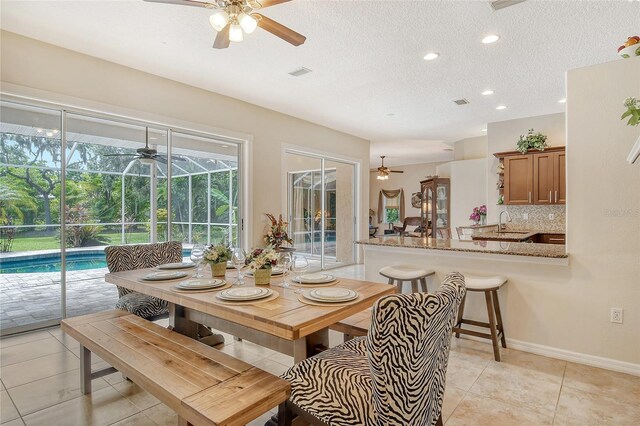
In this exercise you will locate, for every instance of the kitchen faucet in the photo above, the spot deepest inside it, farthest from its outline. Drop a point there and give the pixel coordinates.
(500, 220)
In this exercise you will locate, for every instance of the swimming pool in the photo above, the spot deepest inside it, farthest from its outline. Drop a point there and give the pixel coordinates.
(51, 262)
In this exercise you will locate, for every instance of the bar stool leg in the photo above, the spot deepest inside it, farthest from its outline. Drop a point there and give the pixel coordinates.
(460, 313)
(496, 305)
(492, 325)
(390, 280)
(414, 286)
(423, 284)
(399, 284)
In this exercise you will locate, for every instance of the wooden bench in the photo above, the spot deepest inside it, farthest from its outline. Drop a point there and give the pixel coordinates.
(203, 385)
(354, 326)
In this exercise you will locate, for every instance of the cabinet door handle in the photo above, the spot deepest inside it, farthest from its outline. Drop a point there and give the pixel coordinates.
(549, 197)
(556, 196)
(529, 197)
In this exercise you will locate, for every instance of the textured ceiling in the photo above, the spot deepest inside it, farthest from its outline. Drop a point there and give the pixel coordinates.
(366, 58)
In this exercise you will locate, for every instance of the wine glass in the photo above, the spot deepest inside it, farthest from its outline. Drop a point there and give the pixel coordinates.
(197, 256)
(299, 265)
(238, 259)
(285, 261)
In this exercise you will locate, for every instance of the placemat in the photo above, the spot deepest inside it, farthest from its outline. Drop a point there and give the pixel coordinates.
(274, 296)
(296, 285)
(306, 301)
(207, 290)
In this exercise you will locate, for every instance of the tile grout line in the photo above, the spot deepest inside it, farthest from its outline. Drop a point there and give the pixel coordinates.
(555, 412)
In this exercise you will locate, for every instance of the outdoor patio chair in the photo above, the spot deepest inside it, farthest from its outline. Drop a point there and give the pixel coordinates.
(393, 376)
(140, 256)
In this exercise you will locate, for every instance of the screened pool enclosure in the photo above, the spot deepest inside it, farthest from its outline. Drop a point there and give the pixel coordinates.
(73, 182)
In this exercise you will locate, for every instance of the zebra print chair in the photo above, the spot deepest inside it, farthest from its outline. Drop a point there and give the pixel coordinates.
(393, 376)
(140, 256)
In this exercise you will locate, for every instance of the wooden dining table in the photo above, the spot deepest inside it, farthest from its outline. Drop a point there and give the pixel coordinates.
(284, 324)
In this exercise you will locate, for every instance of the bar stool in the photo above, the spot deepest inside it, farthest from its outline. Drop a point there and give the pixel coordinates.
(489, 286)
(398, 274)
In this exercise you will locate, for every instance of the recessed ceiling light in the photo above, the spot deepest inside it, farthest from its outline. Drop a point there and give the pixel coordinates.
(491, 38)
(487, 92)
(391, 114)
(225, 146)
(431, 56)
(484, 130)
(562, 101)
(501, 107)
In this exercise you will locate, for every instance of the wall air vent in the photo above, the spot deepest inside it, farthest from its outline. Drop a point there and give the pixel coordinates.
(462, 101)
(501, 4)
(299, 72)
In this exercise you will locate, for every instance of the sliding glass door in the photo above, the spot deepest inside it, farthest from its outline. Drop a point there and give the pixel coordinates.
(321, 209)
(31, 163)
(73, 183)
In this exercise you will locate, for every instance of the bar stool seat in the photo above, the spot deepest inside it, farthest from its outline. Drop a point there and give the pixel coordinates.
(398, 274)
(489, 285)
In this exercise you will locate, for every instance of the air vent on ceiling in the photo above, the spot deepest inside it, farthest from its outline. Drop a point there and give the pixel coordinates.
(462, 101)
(299, 72)
(501, 4)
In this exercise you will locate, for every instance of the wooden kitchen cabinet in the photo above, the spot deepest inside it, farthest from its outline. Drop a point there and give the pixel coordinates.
(534, 178)
(518, 179)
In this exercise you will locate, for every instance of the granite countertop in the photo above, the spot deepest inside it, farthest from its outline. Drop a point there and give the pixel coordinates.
(511, 235)
(496, 247)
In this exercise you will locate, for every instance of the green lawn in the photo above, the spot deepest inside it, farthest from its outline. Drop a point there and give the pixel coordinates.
(50, 243)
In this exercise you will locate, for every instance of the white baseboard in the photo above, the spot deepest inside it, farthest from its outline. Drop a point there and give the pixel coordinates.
(565, 355)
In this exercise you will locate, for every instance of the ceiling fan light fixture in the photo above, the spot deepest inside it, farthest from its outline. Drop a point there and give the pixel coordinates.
(219, 20)
(247, 22)
(235, 33)
(146, 160)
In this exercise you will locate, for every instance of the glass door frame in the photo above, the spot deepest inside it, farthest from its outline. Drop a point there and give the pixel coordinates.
(288, 199)
(64, 109)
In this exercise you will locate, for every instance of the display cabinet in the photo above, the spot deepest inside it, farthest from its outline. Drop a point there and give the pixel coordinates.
(435, 209)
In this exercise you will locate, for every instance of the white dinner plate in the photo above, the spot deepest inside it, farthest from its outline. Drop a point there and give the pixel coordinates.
(178, 265)
(201, 284)
(314, 278)
(163, 276)
(244, 293)
(331, 295)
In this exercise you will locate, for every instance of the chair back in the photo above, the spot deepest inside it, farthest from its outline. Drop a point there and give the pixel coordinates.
(444, 234)
(140, 256)
(408, 350)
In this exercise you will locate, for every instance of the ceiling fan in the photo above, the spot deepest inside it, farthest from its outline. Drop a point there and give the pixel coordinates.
(384, 172)
(233, 18)
(147, 155)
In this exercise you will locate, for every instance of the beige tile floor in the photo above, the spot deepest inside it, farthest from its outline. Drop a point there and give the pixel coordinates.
(40, 385)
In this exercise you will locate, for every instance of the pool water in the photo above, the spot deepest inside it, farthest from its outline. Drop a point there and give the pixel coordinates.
(50, 262)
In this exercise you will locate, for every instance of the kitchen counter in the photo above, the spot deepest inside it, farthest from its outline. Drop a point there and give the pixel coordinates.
(513, 236)
(550, 251)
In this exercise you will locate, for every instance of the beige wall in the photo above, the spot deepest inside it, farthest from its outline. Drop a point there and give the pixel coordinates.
(29, 64)
(409, 181)
(468, 189)
(470, 148)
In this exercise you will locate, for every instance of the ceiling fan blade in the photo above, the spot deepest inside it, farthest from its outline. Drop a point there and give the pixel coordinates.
(119, 155)
(396, 171)
(159, 159)
(180, 2)
(222, 39)
(269, 3)
(279, 30)
(173, 158)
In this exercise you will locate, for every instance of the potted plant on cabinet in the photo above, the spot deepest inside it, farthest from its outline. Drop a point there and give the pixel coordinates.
(531, 140)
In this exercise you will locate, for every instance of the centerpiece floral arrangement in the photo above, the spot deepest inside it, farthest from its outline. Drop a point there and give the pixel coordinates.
(531, 141)
(217, 255)
(277, 233)
(260, 261)
(262, 258)
(479, 214)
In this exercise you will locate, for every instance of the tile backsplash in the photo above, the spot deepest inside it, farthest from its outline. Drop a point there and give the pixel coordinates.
(538, 218)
